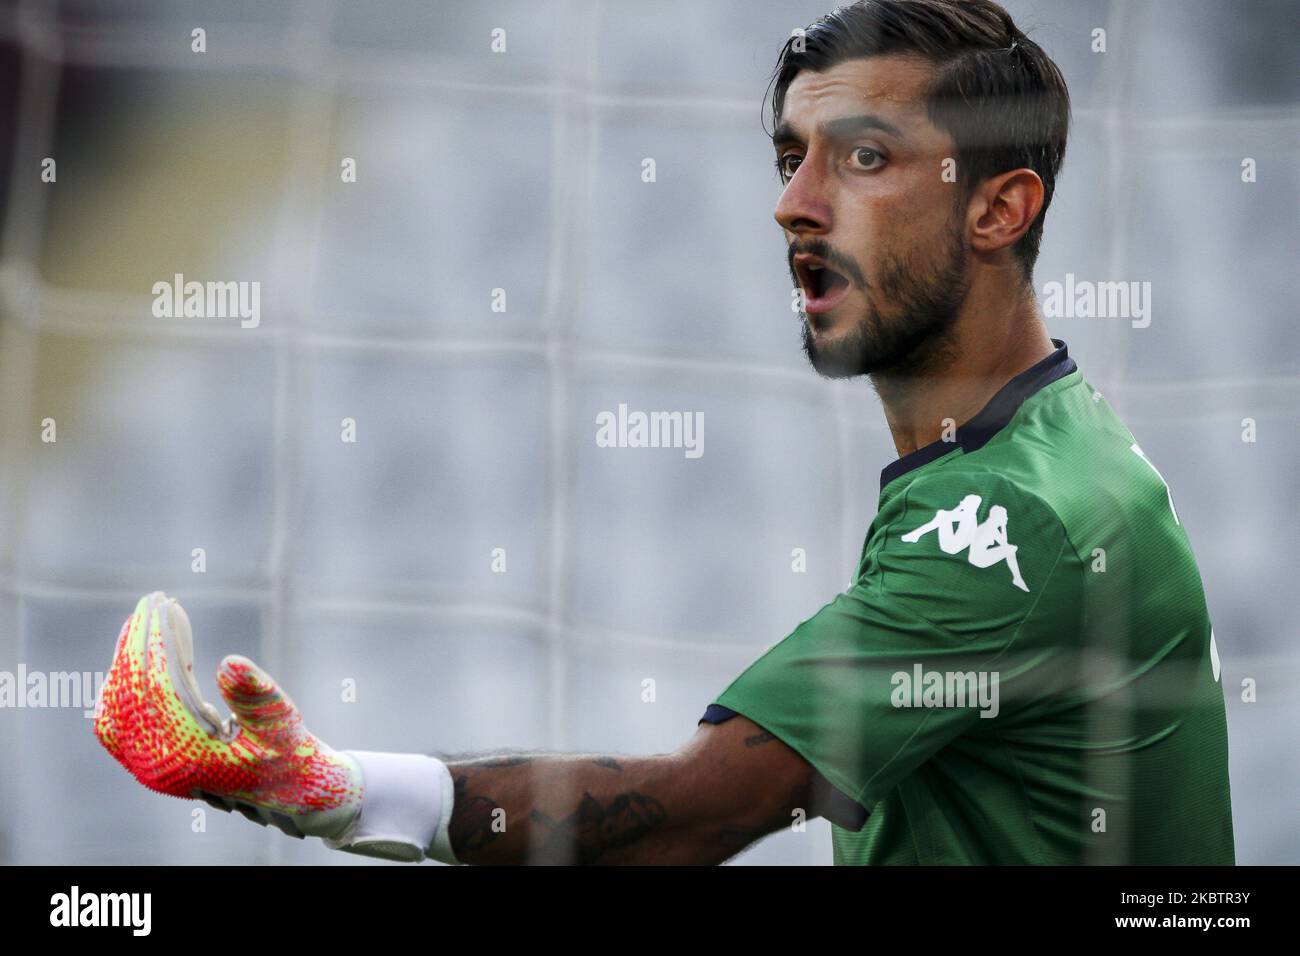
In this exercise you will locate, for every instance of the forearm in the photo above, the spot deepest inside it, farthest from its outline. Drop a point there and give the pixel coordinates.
(728, 786)
(586, 808)
(725, 788)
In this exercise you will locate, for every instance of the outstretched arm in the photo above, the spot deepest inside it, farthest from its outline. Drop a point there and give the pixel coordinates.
(728, 786)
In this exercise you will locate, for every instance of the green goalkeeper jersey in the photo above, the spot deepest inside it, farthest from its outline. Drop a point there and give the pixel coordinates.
(1023, 669)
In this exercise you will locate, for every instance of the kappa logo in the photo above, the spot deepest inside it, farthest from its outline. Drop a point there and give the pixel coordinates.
(960, 530)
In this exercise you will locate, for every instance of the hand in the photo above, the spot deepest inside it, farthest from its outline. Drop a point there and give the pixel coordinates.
(262, 761)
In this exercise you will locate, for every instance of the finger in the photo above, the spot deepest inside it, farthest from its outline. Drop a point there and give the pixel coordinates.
(123, 693)
(116, 683)
(179, 643)
(169, 672)
(259, 704)
(167, 734)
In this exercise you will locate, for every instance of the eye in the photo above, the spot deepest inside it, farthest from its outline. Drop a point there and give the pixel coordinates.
(783, 168)
(867, 157)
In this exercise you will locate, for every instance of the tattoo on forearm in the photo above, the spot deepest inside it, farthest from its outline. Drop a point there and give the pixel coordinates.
(608, 762)
(757, 739)
(593, 829)
(470, 828)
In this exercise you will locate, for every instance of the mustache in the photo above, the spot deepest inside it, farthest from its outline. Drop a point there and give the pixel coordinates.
(844, 265)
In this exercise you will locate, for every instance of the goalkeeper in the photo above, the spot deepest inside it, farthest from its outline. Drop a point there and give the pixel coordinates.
(1022, 669)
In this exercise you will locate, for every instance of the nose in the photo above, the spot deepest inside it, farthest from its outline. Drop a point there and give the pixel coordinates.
(803, 208)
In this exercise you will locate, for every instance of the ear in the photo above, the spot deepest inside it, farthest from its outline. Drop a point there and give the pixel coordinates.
(1003, 208)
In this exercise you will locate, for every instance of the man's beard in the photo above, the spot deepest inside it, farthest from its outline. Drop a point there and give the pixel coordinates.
(927, 300)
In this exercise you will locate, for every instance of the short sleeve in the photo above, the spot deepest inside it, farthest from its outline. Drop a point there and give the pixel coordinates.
(945, 607)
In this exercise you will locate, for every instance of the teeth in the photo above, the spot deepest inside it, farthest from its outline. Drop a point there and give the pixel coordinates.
(813, 280)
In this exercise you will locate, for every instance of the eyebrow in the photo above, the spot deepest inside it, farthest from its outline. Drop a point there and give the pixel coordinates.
(837, 129)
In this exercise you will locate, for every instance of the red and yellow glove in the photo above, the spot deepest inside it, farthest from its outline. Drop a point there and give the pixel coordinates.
(262, 761)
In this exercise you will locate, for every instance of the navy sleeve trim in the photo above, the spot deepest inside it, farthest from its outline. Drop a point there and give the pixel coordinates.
(716, 714)
(841, 809)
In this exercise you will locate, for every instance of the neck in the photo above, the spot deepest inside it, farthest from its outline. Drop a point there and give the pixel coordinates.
(989, 345)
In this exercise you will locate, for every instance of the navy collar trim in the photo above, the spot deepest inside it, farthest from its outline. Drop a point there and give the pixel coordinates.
(991, 419)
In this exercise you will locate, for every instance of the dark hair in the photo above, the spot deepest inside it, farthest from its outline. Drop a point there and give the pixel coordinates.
(999, 96)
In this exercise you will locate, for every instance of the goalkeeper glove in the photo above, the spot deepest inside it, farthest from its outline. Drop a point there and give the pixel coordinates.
(262, 761)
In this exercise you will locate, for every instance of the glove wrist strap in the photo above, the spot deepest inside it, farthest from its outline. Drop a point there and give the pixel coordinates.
(406, 808)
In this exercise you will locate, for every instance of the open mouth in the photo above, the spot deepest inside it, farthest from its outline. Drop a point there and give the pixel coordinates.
(823, 287)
